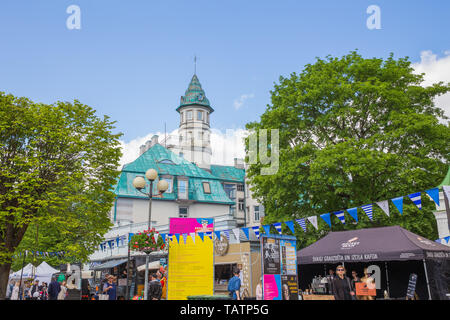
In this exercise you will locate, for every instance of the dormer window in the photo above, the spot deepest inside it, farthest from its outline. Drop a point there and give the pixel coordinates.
(166, 161)
(206, 187)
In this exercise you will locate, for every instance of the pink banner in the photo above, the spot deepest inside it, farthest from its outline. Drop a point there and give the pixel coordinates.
(188, 225)
(272, 287)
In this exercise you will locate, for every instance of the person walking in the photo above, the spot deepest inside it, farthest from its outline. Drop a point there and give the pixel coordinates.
(163, 283)
(44, 291)
(53, 289)
(110, 288)
(9, 289)
(63, 293)
(15, 291)
(234, 286)
(154, 288)
(259, 292)
(342, 286)
(355, 279)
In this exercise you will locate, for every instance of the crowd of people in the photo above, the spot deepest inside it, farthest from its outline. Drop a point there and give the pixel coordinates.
(344, 287)
(33, 290)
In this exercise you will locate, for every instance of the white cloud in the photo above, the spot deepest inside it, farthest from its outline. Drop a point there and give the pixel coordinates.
(225, 146)
(238, 103)
(436, 69)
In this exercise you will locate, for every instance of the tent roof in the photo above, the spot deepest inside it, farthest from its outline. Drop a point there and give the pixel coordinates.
(45, 269)
(373, 244)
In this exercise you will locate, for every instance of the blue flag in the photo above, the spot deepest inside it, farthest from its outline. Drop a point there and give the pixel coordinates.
(209, 234)
(354, 213)
(302, 223)
(177, 235)
(368, 209)
(256, 231)
(201, 235)
(290, 225)
(245, 230)
(326, 217)
(217, 234)
(398, 202)
(266, 229)
(434, 194)
(278, 227)
(340, 215)
(416, 199)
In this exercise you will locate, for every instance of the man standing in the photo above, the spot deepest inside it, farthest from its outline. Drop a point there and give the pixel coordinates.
(53, 289)
(330, 279)
(154, 288)
(234, 286)
(342, 286)
(35, 290)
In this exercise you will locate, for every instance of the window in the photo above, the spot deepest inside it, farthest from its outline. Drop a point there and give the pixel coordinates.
(189, 115)
(182, 116)
(256, 208)
(207, 117)
(199, 115)
(232, 209)
(182, 189)
(181, 154)
(206, 187)
(183, 212)
(200, 135)
(241, 204)
(181, 138)
(240, 187)
(230, 190)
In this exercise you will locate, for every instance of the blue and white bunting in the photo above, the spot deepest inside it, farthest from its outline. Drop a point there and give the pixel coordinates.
(201, 235)
(353, 212)
(416, 199)
(256, 231)
(398, 202)
(217, 234)
(314, 222)
(236, 233)
(209, 234)
(247, 235)
(192, 234)
(177, 235)
(434, 194)
(290, 225)
(326, 217)
(185, 237)
(384, 205)
(227, 234)
(302, 223)
(266, 229)
(278, 227)
(340, 215)
(368, 209)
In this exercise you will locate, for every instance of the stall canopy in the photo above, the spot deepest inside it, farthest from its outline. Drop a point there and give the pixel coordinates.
(151, 266)
(375, 244)
(110, 264)
(27, 272)
(43, 272)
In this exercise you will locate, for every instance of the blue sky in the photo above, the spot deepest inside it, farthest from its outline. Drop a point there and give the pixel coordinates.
(132, 60)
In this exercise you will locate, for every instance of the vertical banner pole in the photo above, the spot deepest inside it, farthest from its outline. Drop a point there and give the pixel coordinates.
(426, 277)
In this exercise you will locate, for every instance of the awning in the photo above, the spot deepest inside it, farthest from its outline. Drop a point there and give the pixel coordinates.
(110, 264)
(151, 266)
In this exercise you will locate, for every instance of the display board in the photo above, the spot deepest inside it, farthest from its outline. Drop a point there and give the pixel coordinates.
(279, 267)
(188, 225)
(190, 268)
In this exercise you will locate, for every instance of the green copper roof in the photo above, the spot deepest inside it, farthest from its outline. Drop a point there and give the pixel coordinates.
(167, 163)
(194, 95)
(228, 173)
(446, 181)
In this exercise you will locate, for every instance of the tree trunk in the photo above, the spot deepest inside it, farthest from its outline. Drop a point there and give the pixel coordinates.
(4, 277)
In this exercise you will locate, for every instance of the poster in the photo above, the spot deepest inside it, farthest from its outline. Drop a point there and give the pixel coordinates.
(188, 225)
(288, 257)
(271, 255)
(272, 287)
(289, 287)
(191, 268)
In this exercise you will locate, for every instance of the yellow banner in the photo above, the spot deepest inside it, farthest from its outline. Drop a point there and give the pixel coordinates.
(191, 268)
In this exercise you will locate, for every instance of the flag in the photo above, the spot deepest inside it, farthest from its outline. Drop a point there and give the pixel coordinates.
(245, 230)
(290, 225)
(163, 236)
(117, 241)
(236, 233)
(398, 202)
(313, 220)
(354, 213)
(217, 234)
(302, 223)
(227, 234)
(278, 227)
(184, 237)
(209, 234)
(416, 199)
(340, 215)
(326, 218)
(368, 208)
(155, 236)
(201, 235)
(446, 191)
(256, 231)
(177, 235)
(384, 205)
(434, 194)
(192, 234)
(266, 229)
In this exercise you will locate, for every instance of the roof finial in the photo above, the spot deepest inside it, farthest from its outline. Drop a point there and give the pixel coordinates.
(195, 64)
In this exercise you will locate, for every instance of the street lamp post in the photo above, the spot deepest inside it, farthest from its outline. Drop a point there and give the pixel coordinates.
(162, 186)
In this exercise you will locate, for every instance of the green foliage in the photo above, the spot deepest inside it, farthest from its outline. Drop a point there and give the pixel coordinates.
(353, 131)
(145, 241)
(57, 165)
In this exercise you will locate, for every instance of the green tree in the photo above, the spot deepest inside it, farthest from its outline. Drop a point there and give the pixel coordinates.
(57, 165)
(353, 131)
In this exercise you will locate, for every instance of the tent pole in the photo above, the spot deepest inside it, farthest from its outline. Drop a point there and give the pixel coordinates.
(426, 277)
(387, 278)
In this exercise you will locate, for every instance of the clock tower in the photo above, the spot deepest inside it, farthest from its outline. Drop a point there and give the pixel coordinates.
(194, 130)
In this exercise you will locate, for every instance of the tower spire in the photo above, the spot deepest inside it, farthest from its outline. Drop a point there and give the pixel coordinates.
(195, 64)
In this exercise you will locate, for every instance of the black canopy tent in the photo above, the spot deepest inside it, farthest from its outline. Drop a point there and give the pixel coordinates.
(384, 244)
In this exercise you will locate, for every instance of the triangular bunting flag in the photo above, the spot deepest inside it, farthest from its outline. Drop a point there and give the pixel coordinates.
(384, 205)
(398, 202)
(201, 235)
(313, 220)
(156, 236)
(227, 234)
(192, 234)
(340, 215)
(354, 213)
(209, 234)
(302, 223)
(266, 229)
(290, 225)
(416, 199)
(256, 231)
(177, 235)
(278, 227)
(368, 209)
(184, 237)
(236, 233)
(434, 194)
(163, 236)
(326, 218)
(245, 230)
(217, 234)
